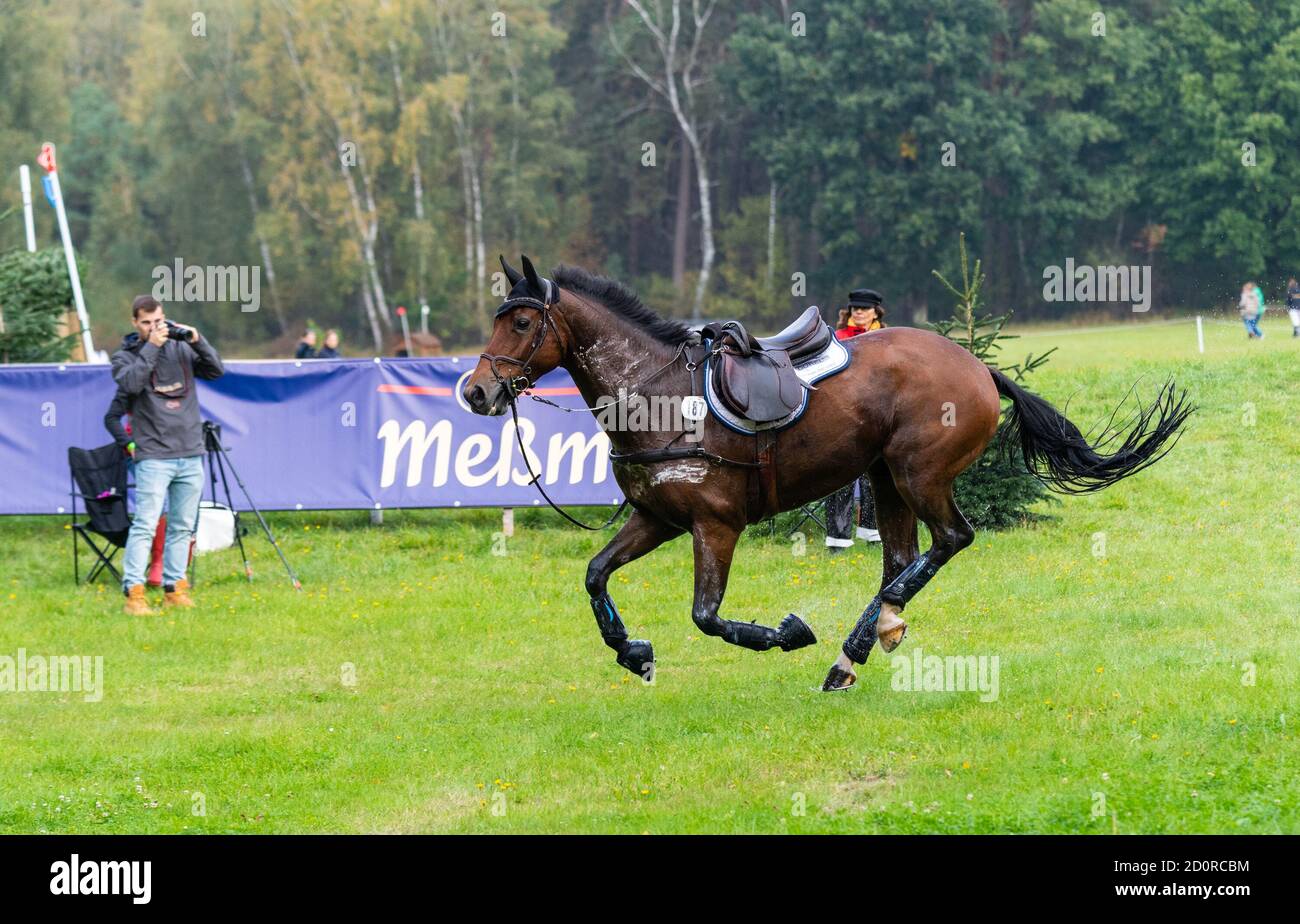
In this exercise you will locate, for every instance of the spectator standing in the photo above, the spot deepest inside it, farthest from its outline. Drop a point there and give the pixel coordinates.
(330, 349)
(1293, 305)
(156, 372)
(306, 346)
(119, 408)
(1249, 309)
(864, 313)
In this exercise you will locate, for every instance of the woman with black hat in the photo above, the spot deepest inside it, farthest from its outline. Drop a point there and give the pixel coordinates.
(865, 312)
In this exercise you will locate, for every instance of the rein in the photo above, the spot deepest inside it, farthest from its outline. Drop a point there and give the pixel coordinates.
(536, 481)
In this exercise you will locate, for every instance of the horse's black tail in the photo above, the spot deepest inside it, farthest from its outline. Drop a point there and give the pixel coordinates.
(1063, 459)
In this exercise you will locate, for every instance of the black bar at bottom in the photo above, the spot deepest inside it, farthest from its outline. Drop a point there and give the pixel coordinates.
(331, 873)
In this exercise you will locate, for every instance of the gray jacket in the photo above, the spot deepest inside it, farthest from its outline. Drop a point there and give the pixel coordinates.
(159, 384)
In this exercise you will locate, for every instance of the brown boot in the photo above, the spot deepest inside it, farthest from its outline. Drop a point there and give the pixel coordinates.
(179, 595)
(136, 603)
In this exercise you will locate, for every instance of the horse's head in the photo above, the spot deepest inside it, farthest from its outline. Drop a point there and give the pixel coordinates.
(525, 345)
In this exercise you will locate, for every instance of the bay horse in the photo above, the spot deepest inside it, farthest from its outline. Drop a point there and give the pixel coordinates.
(912, 410)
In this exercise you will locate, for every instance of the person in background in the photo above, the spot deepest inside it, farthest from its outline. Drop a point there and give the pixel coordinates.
(306, 346)
(119, 408)
(864, 312)
(155, 371)
(1249, 308)
(1293, 305)
(330, 350)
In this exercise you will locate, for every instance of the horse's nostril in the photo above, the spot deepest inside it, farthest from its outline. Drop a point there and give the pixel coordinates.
(475, 396)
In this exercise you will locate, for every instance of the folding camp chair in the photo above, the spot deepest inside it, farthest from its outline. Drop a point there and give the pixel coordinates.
(815, 511)
(99, 479)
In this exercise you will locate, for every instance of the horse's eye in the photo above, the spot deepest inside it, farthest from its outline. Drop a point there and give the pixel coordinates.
(522, 324)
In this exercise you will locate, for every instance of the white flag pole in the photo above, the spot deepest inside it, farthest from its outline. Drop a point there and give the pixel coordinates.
(1200, 335)
(47, 161)
(25, 180)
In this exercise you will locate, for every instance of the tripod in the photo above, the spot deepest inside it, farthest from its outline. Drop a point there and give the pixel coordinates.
(218, 460)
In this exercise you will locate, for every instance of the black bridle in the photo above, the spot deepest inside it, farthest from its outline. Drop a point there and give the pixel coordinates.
(550, 296)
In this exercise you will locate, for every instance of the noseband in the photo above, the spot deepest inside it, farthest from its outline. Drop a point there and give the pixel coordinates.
(516, 384)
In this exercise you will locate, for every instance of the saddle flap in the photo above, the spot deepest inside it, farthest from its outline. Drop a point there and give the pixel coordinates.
(761, 387)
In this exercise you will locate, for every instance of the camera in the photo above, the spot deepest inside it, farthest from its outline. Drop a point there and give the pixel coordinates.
(176, 332)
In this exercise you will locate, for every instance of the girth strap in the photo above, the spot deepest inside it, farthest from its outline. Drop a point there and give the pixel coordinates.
(672, 454)
(763, 500)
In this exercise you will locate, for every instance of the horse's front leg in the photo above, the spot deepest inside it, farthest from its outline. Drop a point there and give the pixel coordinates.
(714, 544)
(641, 534)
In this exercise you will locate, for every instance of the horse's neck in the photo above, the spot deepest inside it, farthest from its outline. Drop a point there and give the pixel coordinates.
(608, 353)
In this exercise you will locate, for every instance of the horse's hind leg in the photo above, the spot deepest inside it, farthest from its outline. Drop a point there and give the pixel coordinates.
(641, 534)
(897, 525)
(715, 542)
(950, 532)
(900, 550)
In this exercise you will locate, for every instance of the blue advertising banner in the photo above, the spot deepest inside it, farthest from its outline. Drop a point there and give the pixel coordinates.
(324, 435)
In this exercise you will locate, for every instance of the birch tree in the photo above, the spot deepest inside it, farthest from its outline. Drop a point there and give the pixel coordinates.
(677, 37)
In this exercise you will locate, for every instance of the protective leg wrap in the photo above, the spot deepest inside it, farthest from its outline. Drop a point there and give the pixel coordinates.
(745, 634)
(793, 633)
(863, 637)
(909, 581)
(750, 635)
(610, 624)
(637, 655)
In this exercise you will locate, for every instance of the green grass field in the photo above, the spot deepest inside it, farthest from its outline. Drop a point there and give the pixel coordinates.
(1150, 689)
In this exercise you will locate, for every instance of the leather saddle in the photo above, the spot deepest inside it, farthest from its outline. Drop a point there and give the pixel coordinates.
(755, 376)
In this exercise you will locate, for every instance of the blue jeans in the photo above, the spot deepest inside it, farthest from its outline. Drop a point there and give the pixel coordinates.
(1252, 326)
(179, 482)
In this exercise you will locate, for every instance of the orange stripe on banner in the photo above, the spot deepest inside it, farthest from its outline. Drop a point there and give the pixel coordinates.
(416, 390)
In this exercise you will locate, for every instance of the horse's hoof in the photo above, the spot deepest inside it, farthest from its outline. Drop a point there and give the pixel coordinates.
(639, 658)
(794, 633)
(838, 679)
(893, 638)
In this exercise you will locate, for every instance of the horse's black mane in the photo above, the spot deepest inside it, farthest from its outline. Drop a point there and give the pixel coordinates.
(619, 298)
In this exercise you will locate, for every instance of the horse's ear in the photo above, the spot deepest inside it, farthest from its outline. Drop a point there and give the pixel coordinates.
(512, 274)
(530, 273)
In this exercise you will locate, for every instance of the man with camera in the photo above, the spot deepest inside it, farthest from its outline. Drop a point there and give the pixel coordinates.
(155, 370)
